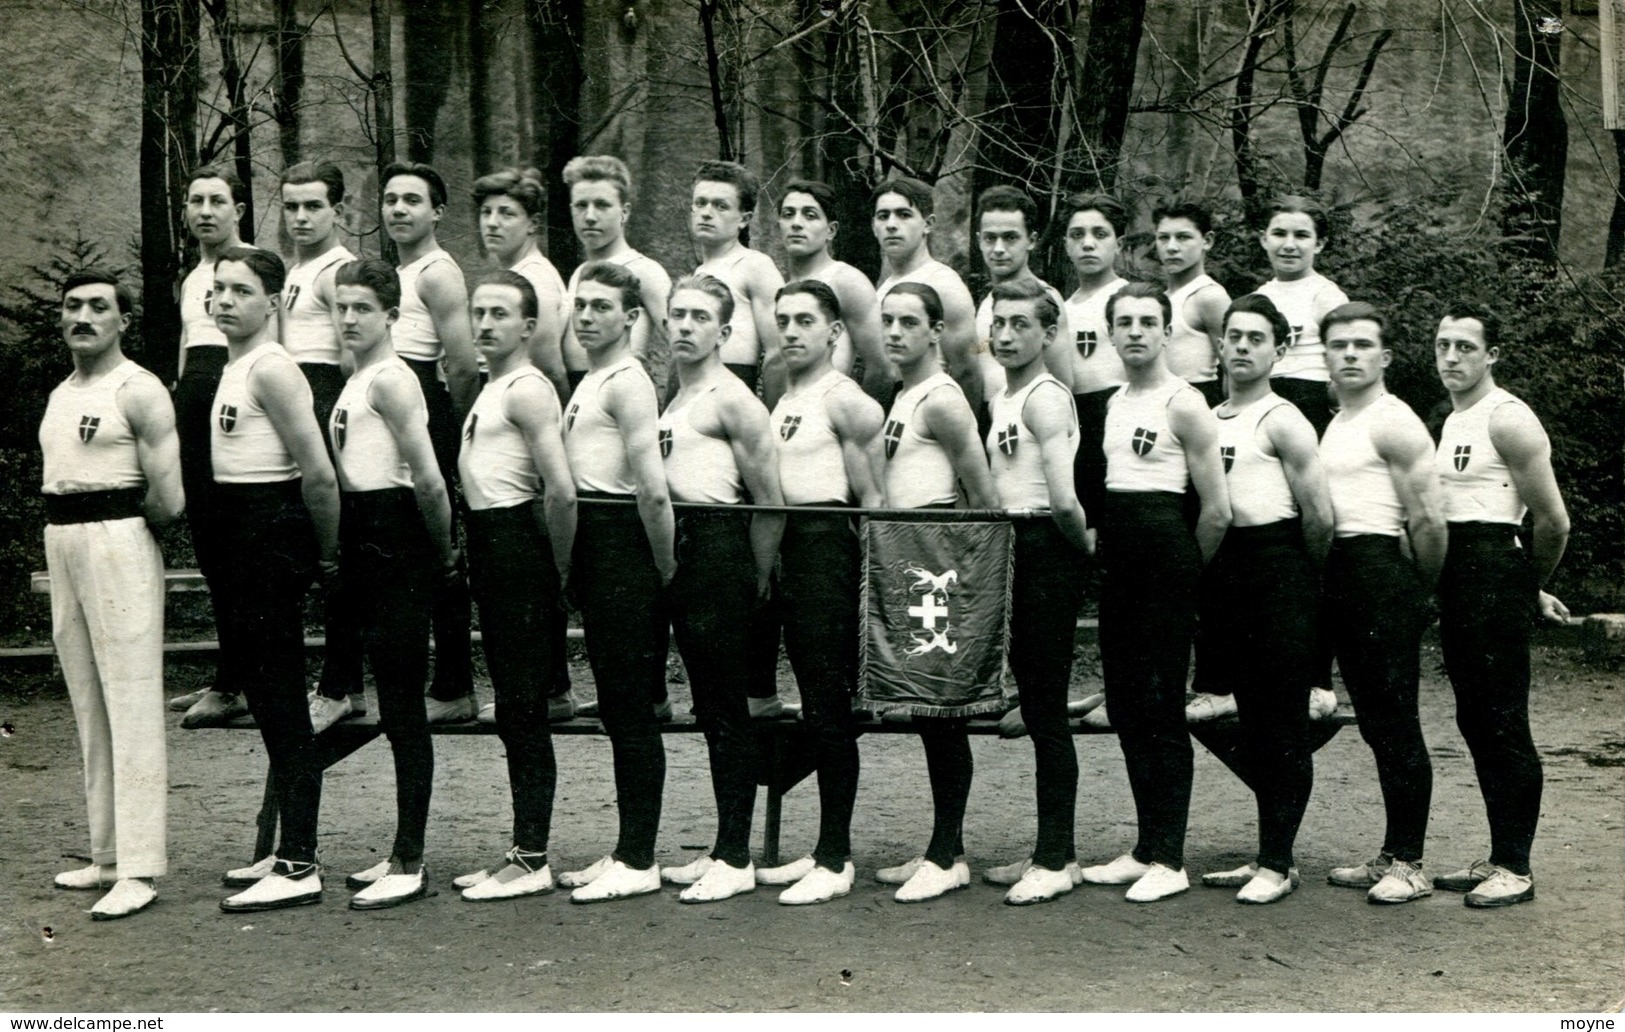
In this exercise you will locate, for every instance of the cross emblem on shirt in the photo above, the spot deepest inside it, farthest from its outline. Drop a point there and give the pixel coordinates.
(1144, 441)
(473, 421)
(341, 420)
(87, 427)
(570, 416)
(228, 417)
(1087, 341)
(1008, 438)
(665, 443)
(894, 436)
(1464, 455)
(1228, 454)
(789, 426)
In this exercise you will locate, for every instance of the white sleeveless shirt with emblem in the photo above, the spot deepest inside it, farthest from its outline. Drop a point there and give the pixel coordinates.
(1013, 454)
(1477, 483)
(593, 439)
(244, 447)
(1142, 451)
(308, 333)
(414, 334)
(918, 470)
(1096, 366)
(1259, 491)
(87, 442)
(1305, 357)
(196, 321)
(1190, 351)
(811, 468)
(495, 462)
(699, 467)
(1364, 500)
(367, 455)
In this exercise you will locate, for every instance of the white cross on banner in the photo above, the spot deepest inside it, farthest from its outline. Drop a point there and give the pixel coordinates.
(936, 617)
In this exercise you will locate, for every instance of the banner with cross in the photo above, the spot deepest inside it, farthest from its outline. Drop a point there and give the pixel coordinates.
(935, 614)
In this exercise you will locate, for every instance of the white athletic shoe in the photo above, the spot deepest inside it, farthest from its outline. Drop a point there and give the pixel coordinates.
(393, 889)
(182, 703)
(289, 884)
(519, 876)
(96, 876)
(931, 881)
(1010, 874)
(691, 872)
(1039, 885)
(618, 882)
(1267, 886)
(1160, 882)
(900, 874)
(1322, 703)
(587, 875)
(325, 712)
(1206, 706)
(129, 896)
(785, 874)
(1501, 889)
(361, 879)
(1125, 870)
(720, 881)
(1230, 879)
(243, 877)
(820, 886)
(1361, 876)
(1404, 882)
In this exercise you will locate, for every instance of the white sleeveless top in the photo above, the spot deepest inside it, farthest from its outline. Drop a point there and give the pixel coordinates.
(495, 463)
(918, 470)
(811, 468)
(196, 321)
(992, 372)
(699, 468)
(1305, 357)
(1476, 480)
(1191, 354)
(367, 455)
(593, 439)
(1259, 491)
(933, 274)
(414, 334)
(87, 442)
(245, 448)
(639, 265)
(308, 333)
(543, 277)
(742, 346)
(1142, 451)
(1364, 500)
(1096, 366)
(1013, 454)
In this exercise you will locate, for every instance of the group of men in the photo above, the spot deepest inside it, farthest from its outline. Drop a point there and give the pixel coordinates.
(331, 412)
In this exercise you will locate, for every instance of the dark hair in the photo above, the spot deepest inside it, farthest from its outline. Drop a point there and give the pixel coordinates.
(1464, 309)
(523, 185)
(930, 300)
(1044, 306)
(324, 172)
(1199, 215)
(820, 191)
(529, 307)
(1111, 209)
(262, 263)
(239, 193)
(912, 190)
(600, 168)
(1351, 311)
(1008, 198)
(732, 172)
(437, 185)
(818, 290)
(711, 286)
(617, 276)
(1259, 304)
(88, 277)
(376, 275)
(1293, 204)
(1144, 290)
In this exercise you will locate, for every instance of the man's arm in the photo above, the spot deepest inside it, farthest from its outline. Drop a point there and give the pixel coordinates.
(281, 390)
(857, 418)
(1293, 439)
(1205, 311)
(648, 334)
(750, 435)
(860, 313)
(1048, 414)
(761, 282)
(536, 413)
(630, 401)
(959, 339)
(953, 426)
(1522, 442)
(151, 416)
(1198, 430)
(1403, 443)
(1059, 351)
(443, 293)
(325, 288)
(397, 398)
(547, 342)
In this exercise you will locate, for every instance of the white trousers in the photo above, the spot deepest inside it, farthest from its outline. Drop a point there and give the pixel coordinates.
(107, 616)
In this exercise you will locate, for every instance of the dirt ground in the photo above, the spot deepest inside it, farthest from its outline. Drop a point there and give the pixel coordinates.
(1323, 949)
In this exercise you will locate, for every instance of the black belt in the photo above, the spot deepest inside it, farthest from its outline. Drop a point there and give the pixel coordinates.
(95, 506)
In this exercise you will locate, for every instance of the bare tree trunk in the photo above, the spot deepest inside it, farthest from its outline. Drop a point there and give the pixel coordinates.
(169, 87)
(235, 77)
(1264, 16)
(1033, 56)
(1616, 222)
(479, 82)
(430, 38)
(555, 36)
(290, 78)
(1105, 86)
(1536, 137)
(381, 84)
(714, 75)
(1308, 93)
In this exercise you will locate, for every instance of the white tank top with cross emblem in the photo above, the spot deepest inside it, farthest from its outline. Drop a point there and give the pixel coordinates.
(1095, 363)
(495, 463)
(87, 441)
(1190, 352)
(1305, 357)
(1259, 491)
(1364, 500)
(1013, 454)
(699, 467)
(308, 333)
(197, 322)
(365, 451)
(918, 470)
(592, 438)
(414, 334)
(244, 447)
(1477, 483)
(1142, 451)
(812, 470)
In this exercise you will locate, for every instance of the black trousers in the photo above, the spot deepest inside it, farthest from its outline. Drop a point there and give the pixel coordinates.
(1258, 613)
(1486, 608)
(453, 611)
(516, 585)
(268, 534)
(1147, 616)
(1089, 466)
(1372, 617)
(387, 573)
(194, 416)
(819, 576)
(1313, 398)
(341, 659)
(623, 615)
(710, 602)
(1046, 592)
